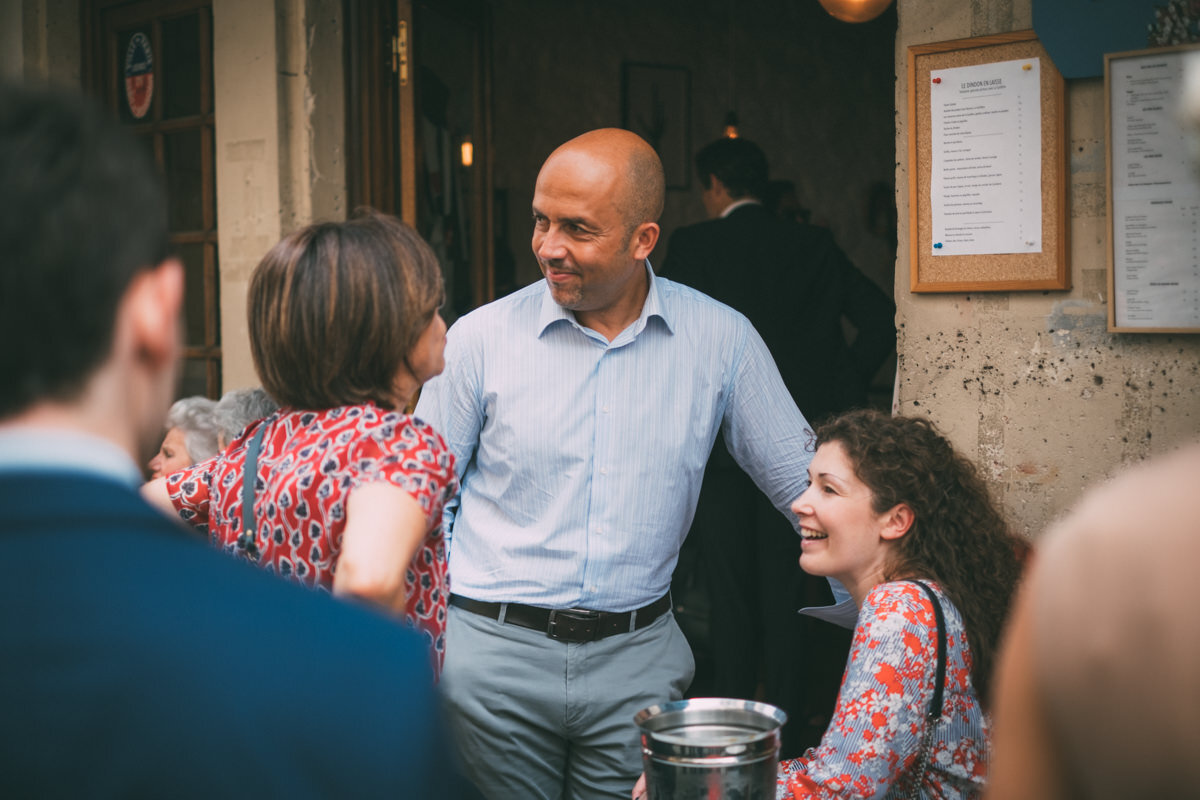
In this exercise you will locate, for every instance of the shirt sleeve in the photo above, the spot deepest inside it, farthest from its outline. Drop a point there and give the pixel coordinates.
(452, 404)
(764, 430)
(189, 490)
(875, 733)
(409, 454)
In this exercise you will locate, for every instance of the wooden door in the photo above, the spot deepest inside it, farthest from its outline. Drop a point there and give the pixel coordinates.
(419, 130)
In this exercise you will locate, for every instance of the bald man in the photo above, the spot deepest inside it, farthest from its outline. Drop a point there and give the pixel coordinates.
(581, 411)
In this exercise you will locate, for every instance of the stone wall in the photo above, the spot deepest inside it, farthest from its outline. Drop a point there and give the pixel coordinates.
(1031, 384)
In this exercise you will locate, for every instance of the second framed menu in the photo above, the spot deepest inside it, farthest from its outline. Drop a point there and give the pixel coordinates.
(1153, 192)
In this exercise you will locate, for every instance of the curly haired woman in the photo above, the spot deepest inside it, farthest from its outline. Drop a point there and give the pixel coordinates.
(892, 504)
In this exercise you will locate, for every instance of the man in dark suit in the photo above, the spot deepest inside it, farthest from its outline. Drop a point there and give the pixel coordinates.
(795, 285)
(135, 661)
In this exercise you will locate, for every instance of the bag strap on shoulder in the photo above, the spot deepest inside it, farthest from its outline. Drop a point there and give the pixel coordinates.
(937, 701)
(248, 539)
(934, 713)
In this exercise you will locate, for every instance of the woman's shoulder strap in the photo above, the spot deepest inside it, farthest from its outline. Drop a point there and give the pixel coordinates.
(935, 703)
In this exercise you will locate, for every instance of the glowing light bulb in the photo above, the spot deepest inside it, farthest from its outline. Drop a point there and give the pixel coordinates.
(855, 10)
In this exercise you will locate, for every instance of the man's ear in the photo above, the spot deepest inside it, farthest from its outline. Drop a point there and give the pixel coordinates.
(153, 303)
(897, 521)
(645, 236)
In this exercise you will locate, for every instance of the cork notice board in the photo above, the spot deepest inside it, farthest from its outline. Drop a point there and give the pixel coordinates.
(996, 272)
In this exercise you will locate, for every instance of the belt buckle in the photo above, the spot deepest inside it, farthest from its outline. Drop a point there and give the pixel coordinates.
(573, 624)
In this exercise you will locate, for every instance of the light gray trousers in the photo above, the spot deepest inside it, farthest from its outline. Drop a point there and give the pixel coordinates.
(539, 719)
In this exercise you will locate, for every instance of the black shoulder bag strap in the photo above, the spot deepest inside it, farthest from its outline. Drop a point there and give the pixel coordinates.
(248, 540)
(936, 702)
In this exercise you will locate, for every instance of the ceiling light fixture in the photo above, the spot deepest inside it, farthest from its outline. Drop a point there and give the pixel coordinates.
(855, 10)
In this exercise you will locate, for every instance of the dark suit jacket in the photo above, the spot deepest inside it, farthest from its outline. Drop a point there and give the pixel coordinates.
(135, 661)
(795, 285)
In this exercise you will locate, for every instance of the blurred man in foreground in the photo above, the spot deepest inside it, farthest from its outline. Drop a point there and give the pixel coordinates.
(136, 661)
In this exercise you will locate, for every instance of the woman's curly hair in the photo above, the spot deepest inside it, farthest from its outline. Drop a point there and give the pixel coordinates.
(958, 538)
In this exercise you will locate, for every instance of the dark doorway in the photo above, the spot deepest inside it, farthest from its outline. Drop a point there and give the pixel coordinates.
(419, 130)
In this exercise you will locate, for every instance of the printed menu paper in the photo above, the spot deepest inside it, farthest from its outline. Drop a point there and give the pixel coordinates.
(986, 167)
(1155, 196)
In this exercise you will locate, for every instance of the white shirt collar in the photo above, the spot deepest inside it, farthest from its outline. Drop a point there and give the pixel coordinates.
(27, 448)
(552, 312)
(736, 204)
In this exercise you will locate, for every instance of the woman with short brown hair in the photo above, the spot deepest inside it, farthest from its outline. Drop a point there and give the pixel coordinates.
(349, 490)
(336, 310)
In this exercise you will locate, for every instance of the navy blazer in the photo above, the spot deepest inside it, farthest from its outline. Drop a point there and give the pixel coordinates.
(136, 661)
(795, 285)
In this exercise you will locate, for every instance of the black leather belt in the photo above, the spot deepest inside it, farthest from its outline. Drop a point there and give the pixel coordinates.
(567, 624)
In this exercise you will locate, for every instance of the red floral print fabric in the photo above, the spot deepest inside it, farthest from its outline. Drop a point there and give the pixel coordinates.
(874, 740)
(309, 464)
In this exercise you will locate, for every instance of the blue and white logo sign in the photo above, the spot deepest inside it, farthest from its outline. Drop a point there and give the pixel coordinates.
(139, 75)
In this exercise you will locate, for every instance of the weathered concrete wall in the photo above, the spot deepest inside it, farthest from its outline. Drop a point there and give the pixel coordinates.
(1031, 384)
(245, 83)
(277, 74)
(312, 112)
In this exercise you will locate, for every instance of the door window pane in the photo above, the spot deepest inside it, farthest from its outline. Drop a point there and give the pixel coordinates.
(181, 66)
(193, 378)
(146, 140)
(181, 152)
(194, 313)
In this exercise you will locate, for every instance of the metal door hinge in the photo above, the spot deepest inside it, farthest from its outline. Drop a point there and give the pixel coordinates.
(400, 52)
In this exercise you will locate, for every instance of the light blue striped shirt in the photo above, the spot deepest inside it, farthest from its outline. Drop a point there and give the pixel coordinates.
(580, 460)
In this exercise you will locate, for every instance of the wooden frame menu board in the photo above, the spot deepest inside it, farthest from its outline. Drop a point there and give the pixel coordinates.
(1153, 192)
(1044, 265)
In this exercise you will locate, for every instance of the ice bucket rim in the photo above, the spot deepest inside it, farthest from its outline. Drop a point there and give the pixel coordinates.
(712, 704)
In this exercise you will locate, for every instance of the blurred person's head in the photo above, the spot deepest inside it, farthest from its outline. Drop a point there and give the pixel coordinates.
(192, 436)
(89, 301)
(1096, 693)
(891, 498)
(342, 313)
(729, 170)
(238, 408)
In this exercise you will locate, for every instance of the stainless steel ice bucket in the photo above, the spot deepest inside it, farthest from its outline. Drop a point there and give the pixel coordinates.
(710, 748)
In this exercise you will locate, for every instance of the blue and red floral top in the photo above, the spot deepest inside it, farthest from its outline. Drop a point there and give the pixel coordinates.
(873, 742)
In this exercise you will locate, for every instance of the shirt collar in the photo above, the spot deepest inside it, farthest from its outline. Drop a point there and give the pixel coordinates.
(736, 204)
(551, 312)
(24, 449)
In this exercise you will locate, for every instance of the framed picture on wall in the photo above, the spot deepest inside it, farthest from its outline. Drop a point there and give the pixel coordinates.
(656, 104)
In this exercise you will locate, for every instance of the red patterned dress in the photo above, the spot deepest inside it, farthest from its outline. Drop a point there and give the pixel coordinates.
(309, 463)
(874, 739)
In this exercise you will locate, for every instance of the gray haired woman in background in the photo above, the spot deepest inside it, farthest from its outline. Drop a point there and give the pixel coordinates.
(237, 408)
(191, 436)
